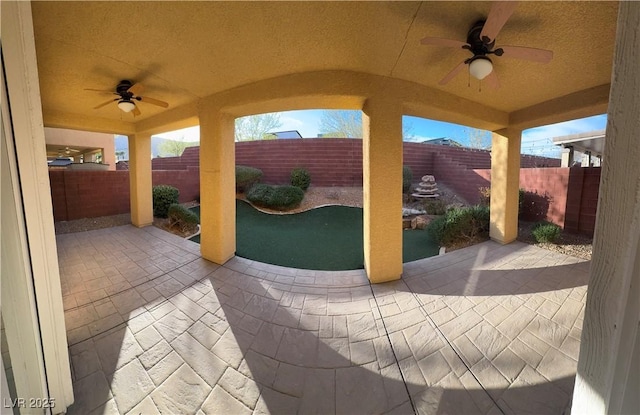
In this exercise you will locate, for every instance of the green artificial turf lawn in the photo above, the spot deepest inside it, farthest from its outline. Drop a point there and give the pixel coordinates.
(326, 238)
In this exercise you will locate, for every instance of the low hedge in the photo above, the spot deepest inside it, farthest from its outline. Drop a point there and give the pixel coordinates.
(246, 177)
(435, 206)
(461, 224)
(163, 197)
(300, 178)
(181, 217)
(275, 197)
(545, 232)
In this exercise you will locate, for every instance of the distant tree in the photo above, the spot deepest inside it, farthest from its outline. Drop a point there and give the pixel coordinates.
(120, 154)
(479, 139)
(341, 124)
(348, 124)
(172, 148)
(257, 127)
(407, 131)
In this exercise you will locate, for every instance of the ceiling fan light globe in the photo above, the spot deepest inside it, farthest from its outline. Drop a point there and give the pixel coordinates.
(126, 106)
(480, 67)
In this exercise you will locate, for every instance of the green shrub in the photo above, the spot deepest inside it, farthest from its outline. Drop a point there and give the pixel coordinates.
(545, 232)
(435, 207)
(181, 217)
(407, 177)
(275, 197)
(247, 177)
(300, 178)
(163, 197)
(461, 224)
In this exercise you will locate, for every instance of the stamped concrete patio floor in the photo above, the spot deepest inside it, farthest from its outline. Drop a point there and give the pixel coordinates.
(154, 328)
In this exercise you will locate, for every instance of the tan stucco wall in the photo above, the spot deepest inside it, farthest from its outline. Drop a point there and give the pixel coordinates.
(140, 181)
(607, 380)
(73, 138)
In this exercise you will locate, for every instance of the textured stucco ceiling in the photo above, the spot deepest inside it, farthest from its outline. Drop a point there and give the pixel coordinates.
(183, 51)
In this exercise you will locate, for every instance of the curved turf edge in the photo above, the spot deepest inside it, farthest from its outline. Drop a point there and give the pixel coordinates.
(325, 238)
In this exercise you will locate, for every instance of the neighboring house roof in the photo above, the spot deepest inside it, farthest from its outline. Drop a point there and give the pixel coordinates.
(287, 134)
(592, 141)
(59, 162)
(443, 142)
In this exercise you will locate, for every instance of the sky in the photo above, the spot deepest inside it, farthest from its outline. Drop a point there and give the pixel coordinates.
(536, 141)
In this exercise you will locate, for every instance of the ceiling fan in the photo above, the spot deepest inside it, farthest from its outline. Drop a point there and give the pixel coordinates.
(68, 150)
(481, 41)
(128, 93)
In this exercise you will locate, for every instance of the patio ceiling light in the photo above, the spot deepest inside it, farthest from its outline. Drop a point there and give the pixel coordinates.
(479, 67)
(126, 105)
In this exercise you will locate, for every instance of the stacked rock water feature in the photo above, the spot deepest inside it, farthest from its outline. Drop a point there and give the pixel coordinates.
(427, 189)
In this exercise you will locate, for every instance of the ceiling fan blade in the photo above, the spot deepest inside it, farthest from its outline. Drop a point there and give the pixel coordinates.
(492, 80)
(436, 41)
(99, 90)
(136, 89)
(453, 73)
(154, 102)
(498, 16)
(105, 104)
(136, 112)
(529, 54)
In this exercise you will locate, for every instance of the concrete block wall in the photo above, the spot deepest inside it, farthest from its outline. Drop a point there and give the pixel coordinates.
(187, 181)
(88, 194)
(569, 196)
(331, 162)
(546, 191)
(190, 158)
(338, 162)
(572, 195)
(582, 199)
(91, 194)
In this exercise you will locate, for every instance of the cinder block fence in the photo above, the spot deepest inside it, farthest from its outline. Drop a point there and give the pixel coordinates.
(571, 193)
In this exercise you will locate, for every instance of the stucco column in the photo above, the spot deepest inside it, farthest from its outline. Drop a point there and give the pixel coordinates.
(382, 181)
(140, 184)
(608, 377)
(505, 182)
(567, 157)
(217, 185)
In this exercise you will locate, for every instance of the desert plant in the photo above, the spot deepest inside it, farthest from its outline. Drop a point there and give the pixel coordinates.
(163, 197)
(181, 217)
(275, 197)
(246, 177)
(407, 177)
(545, 232)
(435, 207)
(485, 196)
(461, 224)
(301, 178)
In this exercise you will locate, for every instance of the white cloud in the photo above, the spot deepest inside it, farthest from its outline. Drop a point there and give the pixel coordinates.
(564, 128)
(306, 128)
(289, 123)
(188, 134)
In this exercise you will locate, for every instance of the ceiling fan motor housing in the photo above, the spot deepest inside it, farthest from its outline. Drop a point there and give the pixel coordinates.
(477, 46)
(123, 90)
